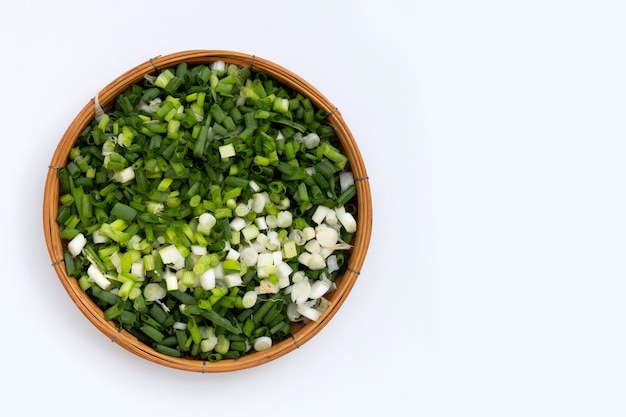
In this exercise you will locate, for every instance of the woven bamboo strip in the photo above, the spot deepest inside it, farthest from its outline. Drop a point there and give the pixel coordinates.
(301, 332)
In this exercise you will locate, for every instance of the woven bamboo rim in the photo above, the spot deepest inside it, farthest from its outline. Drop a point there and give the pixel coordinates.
(301, 332)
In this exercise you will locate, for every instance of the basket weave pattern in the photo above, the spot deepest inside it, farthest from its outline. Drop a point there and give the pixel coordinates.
(301, 333)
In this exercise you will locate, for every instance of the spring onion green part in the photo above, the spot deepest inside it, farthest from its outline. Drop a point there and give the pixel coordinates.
(208, 209)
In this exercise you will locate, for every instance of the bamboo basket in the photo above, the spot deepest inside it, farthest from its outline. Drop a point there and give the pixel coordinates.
(301, 333)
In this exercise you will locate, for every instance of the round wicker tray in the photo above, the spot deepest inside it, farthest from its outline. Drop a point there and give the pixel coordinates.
(301, 332)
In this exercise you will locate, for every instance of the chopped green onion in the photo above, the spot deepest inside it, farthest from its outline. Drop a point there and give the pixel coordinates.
(213, 216)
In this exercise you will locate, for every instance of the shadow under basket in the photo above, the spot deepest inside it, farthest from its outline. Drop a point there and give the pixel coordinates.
(301, 332)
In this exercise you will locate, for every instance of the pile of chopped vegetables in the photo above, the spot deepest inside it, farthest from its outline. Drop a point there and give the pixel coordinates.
(208, 210)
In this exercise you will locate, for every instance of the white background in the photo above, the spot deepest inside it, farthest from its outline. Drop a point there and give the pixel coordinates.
(494, 137)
